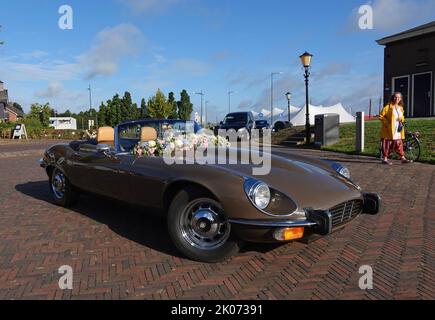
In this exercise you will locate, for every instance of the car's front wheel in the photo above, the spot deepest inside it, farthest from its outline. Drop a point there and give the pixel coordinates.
(61, 189)
(198, 227)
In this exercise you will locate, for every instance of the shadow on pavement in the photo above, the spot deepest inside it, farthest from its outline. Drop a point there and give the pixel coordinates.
(141, 225)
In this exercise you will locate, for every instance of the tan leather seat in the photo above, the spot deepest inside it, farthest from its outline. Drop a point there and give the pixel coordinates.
(106, 135)
(148, 134)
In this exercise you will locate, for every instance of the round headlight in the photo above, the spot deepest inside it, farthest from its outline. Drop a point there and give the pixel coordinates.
(261, 196)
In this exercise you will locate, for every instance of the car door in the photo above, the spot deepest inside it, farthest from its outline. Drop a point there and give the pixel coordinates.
(100, 172)
(147, 178)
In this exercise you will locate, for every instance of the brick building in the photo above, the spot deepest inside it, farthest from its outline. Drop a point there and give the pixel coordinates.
(8, 112)
(3, 101)
(409, 67)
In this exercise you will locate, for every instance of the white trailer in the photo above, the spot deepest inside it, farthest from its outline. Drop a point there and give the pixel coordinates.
(66, 123)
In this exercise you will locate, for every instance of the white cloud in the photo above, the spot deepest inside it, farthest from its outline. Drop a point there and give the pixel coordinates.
(53, 89)
(165, 71)
(245, 104)
(110, 47)
(355, 91)
(395, 15)
(39, 71)
(282, 84)
(238, 77)
(36, 54)
(159, 58)
(140, 6)
(220, 56)
(332, 69)
(151, 85)
(189, 66)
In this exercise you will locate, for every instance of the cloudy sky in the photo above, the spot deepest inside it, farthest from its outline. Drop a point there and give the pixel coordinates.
(213, 46)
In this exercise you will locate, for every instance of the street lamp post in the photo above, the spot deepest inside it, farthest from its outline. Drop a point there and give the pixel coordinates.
(271, 96)
(206, 117)
(90, 107)
(306, 63)
(229, 100)
(90, 97)
(1, 42)
(202, 104)
(289, 96)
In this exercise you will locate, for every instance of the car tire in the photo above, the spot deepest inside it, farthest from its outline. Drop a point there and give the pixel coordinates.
(198, 227)
(279, 126)
(62, 191)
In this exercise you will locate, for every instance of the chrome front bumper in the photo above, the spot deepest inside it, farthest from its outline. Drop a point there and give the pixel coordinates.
(320, 222)
(273, 224)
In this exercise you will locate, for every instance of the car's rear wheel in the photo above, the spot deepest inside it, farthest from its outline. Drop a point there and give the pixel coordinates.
(199, 228)
(279, 126)
(61, 189)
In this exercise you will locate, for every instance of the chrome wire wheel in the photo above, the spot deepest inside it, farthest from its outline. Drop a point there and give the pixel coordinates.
(58, 184)
(203, 225)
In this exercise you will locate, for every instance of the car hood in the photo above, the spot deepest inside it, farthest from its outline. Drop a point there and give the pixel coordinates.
(235, 125)
(309, 184)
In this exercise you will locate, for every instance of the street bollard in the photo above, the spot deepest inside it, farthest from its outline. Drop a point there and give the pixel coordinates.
(360, 125)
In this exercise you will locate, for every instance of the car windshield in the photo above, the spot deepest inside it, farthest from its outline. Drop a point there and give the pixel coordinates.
(236, 117)
(129, 133)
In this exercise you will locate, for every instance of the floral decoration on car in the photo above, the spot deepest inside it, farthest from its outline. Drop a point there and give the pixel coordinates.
(173, 142)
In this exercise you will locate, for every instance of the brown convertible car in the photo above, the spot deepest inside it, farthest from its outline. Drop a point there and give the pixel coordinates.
(210, 209)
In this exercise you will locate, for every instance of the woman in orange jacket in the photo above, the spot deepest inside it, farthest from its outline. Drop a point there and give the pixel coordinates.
(392, 130)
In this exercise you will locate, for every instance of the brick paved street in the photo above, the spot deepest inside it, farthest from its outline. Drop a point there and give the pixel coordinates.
(118, 252)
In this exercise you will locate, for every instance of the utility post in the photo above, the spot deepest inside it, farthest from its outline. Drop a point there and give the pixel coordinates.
(1, 42)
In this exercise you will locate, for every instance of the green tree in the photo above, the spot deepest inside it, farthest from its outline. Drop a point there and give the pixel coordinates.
(185, 107)
(45, 116)
(126, 107)
(102, 115)
(143, 109)
(114, 112)
(131, 109)
(158, 107)
(172, 104)
(41, 113)
(67, 114)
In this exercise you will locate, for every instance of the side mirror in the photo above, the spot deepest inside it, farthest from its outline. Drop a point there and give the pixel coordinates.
(103, 148)
(221, 123)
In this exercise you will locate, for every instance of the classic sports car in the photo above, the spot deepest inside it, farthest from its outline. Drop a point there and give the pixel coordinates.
(210, 209)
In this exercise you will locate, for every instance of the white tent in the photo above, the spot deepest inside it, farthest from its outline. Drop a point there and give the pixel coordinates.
(294, 109)
(299, 118)
(277, 113)
(280, 115)
(265, 113)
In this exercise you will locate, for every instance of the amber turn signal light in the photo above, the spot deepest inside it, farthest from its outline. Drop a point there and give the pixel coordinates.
(287, 234)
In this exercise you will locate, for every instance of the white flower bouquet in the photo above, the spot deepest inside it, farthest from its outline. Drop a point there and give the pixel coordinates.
(172, 142)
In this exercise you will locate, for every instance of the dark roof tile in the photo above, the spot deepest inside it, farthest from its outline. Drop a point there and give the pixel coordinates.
(414, 32)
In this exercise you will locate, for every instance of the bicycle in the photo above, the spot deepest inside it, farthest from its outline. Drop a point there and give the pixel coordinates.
(411, 145)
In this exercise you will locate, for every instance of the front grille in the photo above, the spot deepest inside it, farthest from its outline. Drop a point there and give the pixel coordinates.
(345, 212)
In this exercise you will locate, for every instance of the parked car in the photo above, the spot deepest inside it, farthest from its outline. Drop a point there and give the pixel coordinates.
(262, 124)
(281, 125)
(241, 122)
(210, 209)
(172, 124)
